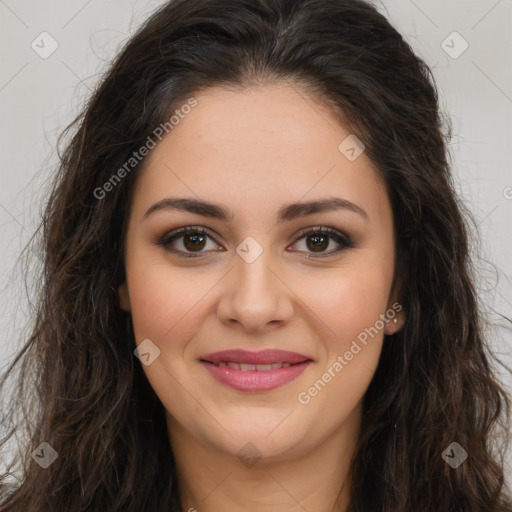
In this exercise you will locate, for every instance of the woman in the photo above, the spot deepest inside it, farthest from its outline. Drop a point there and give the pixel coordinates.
(257, 290)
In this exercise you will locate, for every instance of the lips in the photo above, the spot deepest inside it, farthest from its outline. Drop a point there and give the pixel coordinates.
(247, 367)
(264, 357)
(255, 371)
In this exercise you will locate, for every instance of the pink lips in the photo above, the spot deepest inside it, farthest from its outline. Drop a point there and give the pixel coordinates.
(255, 371)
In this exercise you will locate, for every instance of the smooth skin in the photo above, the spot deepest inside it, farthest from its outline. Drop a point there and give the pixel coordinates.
(254, 151)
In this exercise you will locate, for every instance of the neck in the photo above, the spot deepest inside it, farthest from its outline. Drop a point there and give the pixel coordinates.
(316, 479)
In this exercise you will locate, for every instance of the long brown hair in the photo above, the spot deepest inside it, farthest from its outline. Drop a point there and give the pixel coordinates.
(80, 388)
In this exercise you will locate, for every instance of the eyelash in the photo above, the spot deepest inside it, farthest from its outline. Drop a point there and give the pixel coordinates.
(336, 235)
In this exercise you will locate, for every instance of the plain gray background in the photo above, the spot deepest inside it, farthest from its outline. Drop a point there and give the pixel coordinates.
(40, 94)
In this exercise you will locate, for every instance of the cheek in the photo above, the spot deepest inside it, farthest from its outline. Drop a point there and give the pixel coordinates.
(350, 307)
(166, 308)
(349, 304)
(350, 299)
(164, 303)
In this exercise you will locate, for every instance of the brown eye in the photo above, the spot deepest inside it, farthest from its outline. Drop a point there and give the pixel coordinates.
(317, 240)
(192, 240)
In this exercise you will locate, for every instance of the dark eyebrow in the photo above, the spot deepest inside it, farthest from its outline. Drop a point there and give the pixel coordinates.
(287, 213)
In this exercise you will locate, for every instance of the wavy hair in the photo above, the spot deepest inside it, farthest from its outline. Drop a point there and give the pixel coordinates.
(79, 387)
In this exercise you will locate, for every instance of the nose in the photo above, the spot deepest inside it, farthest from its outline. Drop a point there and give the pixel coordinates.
(255, 297)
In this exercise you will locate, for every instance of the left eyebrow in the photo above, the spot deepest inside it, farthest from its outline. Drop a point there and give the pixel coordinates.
(285, 214)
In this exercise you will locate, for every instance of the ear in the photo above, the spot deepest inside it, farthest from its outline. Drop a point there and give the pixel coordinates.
(393, 325)
(396, 316)
(124, 297)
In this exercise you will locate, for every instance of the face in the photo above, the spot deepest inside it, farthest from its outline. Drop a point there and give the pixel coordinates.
(314, 282)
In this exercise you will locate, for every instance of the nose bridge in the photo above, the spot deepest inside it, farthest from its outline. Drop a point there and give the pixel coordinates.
(255, 296)
(253, 277)
(252, 265)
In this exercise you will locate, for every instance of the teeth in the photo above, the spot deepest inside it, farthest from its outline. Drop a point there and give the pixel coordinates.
(246, 367)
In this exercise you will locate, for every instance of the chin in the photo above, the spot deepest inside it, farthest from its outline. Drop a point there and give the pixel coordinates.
(272, 437)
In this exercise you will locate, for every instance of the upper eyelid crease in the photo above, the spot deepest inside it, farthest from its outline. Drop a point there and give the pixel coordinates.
(287, 213)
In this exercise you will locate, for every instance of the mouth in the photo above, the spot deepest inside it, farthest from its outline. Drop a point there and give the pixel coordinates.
(261, 358)
(255, 371)
(247, 367)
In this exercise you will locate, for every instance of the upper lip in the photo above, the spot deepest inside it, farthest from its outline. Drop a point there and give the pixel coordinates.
(268, 356)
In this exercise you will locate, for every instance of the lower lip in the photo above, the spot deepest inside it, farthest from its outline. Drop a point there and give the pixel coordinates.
(255, 381)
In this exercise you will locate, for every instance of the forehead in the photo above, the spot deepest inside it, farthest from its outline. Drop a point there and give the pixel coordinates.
(253, 147)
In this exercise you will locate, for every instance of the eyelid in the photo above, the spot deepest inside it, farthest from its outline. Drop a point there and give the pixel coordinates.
(324, 229)
(337, 235)
(169, 237)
